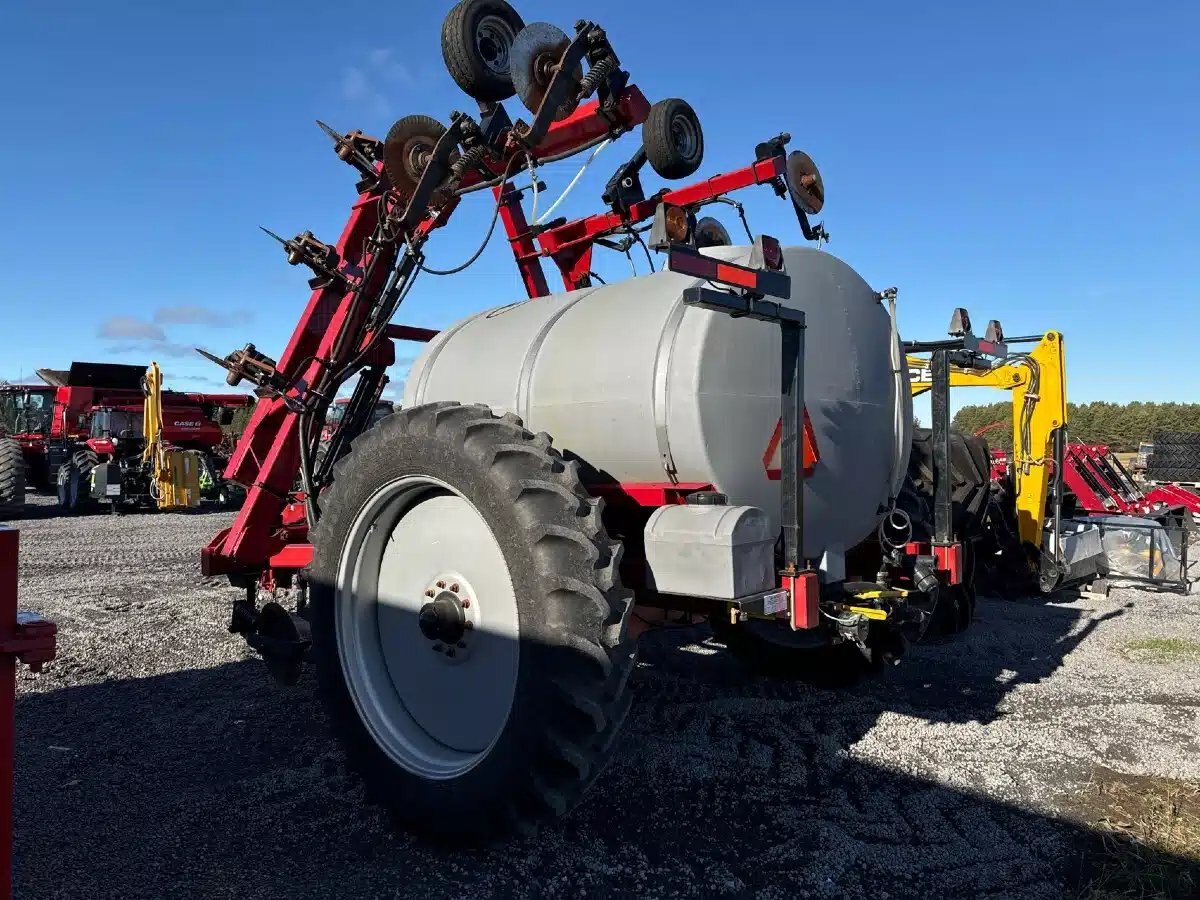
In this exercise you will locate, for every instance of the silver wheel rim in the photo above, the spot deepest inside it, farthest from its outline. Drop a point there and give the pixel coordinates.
(685, 136)
(434, 713)
(493, 41)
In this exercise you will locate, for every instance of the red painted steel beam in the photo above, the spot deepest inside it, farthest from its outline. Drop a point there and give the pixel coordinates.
(587, 229)
(29, 639)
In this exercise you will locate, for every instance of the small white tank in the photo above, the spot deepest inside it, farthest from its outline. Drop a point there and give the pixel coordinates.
(646, 389)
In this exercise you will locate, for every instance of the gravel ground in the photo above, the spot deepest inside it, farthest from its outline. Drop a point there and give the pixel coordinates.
(157, 759)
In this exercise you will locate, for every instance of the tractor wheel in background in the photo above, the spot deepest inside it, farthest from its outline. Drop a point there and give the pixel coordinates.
(970, 466)
(469, 623)
(477, 38)
(12, 477)
(74, 480)
(673, 139)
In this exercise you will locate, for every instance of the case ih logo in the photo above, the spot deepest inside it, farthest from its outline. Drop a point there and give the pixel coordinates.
(812, 455)
(188, 423)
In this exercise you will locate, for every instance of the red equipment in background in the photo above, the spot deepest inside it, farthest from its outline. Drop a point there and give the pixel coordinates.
(57, 415)
(1103, 486)
(27, 638)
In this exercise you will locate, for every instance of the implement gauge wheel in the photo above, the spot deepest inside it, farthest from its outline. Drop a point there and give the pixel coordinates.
(469, 623)
(477, 38)
(673, 139)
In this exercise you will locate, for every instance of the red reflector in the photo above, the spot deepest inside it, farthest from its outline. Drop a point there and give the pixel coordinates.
(772, 253)
(736, 275)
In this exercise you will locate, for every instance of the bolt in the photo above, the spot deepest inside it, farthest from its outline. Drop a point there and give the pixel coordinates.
(438, 648)
(450, 651)
(454, 587)
(466, 602)
(468, 624)
(441, 584)
(429, 593)
(462, 645)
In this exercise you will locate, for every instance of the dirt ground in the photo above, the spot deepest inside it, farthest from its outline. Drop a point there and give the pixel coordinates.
(156, 758)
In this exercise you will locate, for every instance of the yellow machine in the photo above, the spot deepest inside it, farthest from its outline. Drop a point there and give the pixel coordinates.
(175, 473)
(1038, 381)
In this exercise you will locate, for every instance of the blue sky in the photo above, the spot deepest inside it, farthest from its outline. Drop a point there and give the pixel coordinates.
(1035, 162)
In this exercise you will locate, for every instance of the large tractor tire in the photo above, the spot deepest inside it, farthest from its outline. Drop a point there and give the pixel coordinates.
(970, 466)
(469, 623)
(971, 507)
(75, 479)
(12, 478)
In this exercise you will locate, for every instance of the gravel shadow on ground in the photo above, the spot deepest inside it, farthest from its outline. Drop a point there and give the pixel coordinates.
(158, 759)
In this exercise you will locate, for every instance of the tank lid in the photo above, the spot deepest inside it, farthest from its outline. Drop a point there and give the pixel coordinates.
(708, 498)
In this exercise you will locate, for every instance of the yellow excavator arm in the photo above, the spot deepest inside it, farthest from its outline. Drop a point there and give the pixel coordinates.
(175, 473)
(1038, 381)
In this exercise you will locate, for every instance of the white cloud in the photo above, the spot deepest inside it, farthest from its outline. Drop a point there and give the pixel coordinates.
(373, 85)
(195, 314)
(132, 328)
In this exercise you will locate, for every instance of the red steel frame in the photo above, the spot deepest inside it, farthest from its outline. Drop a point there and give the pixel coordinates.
(31, 640)
(270, 531)
(1102, 486)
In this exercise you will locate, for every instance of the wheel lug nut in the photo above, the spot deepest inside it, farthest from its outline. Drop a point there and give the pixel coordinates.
(454, 587)
(462, 645)
(438, 648)
(468, 624)
(466, 602)
(441, 584)
(429, 593)
(450, 651)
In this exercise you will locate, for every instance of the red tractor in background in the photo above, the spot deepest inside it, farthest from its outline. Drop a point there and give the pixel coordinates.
(337, 413)
(25, 412)
(60, 432)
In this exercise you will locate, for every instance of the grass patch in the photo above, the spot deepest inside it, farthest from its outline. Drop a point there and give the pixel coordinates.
(1163, 650)
(1147, 840)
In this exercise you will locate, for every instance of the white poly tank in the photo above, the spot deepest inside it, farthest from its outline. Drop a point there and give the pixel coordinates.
(645, 389)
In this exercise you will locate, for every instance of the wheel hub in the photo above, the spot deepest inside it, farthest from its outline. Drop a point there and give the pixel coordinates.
(493, 38)
(421, 568)
(443, 619)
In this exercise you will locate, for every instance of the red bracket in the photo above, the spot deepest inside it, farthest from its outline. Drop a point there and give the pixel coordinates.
(947, 559)
(804, 607)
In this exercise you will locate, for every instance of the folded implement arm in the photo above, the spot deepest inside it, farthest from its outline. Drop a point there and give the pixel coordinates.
(1038, 382)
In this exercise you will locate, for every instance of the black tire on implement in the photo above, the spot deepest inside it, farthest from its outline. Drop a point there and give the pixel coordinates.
(477, 36)
(673, 138)
(570, 694)
(12, 477)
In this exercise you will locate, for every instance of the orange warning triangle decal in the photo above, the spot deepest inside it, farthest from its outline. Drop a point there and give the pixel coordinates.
(812, 455)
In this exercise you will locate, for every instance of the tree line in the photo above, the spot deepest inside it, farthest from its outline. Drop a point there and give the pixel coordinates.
(1120, 425)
